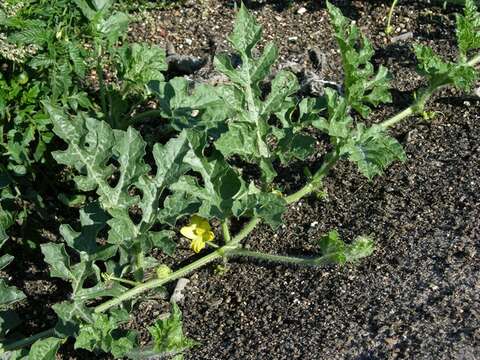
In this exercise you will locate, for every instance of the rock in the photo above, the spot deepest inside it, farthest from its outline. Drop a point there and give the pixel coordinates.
(402, 37)
(301, 11)
(177, 295)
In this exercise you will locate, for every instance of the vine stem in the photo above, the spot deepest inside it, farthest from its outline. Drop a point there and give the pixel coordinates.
(233, 247)
(159, 282)
(389, 29)
(226, 231)
(323, 260)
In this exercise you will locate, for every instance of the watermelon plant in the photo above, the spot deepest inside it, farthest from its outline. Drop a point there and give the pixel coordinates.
(143, 196)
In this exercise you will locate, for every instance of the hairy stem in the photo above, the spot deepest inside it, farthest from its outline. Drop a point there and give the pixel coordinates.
(226, 231)
(389, 28)
(323, 260)
(398, 117)
(247, 229)
(125, 281)
(331, 159)
(152, 284)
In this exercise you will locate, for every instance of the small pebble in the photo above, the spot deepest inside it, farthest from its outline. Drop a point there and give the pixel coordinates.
(301, 11)
(402, 37)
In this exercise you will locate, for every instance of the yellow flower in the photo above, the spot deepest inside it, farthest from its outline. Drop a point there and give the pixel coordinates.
(199, 231)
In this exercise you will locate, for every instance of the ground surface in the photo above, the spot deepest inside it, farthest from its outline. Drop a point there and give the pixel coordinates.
(418, 296)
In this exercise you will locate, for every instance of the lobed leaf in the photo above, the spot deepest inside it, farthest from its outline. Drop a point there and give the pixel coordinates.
(9, 294)
(372, 150)
(103, 333)
(468, 28)
(167, 334)
(339, 122)
(363, 85)
(139, 64)
(335, 249)
(45, 349)
(440, 72)
(246, 32)
(99, 153)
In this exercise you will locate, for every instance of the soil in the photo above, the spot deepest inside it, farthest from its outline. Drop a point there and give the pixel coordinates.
(418, 295)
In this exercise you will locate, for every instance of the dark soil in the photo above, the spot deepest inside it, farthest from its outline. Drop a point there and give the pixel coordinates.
(418, 295)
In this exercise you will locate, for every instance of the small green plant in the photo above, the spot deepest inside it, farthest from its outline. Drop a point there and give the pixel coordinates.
(389, 28)
(139, 192)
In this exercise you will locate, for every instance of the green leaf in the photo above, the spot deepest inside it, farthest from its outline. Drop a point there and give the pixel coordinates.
(167, 334)
(9, 294)
(293, 145)
(363, 86)
(87, 11)
(179, 104)
(21, 354)
(75, 54)
(113, 27)
(59, 262)
(339, 122)
(58, 259)
(103, 334)
(333, 248)
(270, 208)
(264, 63)
(268, 171)
(99, 291)
(240, 139)
(372, 150)
(93, 149)
(222, 63)
(5, 260)
(169, 160)
(163, 240)
(93, 219)
(45, 349)
(246, 32)
(468, 28)
(139, 64)
(267, 206)
(70, 314)
(363, 246)
(440, 72)
(283, 85)
(177, 205)
(221, 183)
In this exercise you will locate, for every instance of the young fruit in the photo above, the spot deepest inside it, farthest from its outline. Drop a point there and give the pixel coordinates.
(22, 78)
